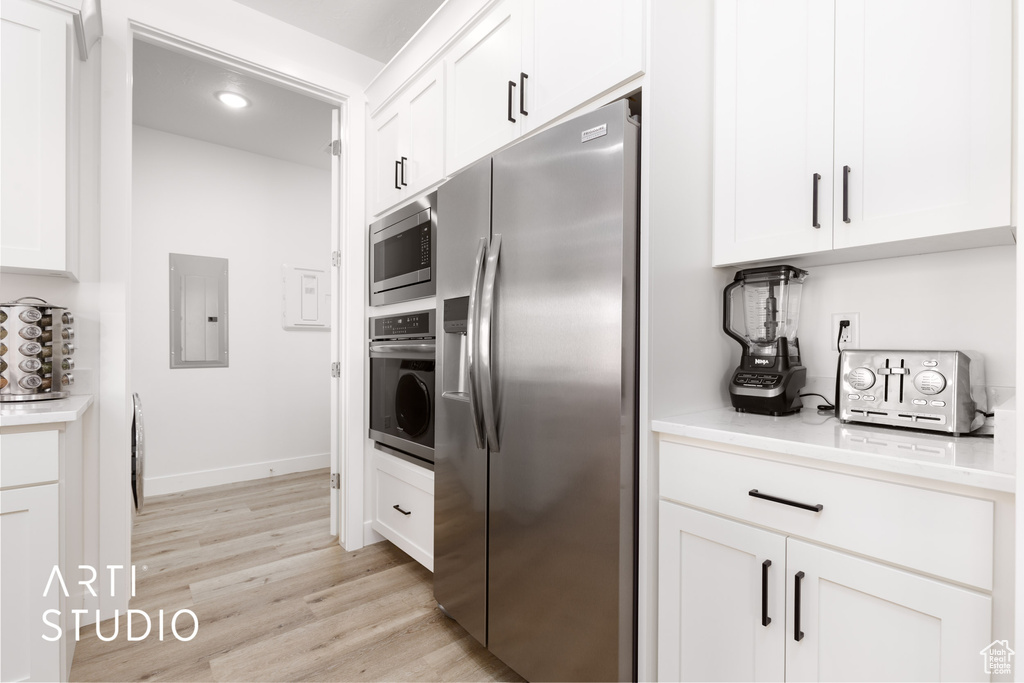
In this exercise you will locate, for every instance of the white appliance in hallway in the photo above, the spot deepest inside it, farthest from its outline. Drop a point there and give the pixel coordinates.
(536, 433)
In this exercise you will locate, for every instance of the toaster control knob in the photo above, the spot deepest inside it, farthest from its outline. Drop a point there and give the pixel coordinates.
(861, 379)
(930, 382)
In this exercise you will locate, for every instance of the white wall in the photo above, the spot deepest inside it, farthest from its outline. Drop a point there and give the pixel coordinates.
(957, 300)
(269, 411)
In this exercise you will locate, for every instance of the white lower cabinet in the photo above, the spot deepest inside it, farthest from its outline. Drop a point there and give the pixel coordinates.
(745, 599)
(403, 509)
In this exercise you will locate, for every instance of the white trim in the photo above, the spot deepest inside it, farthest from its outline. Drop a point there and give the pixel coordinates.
(370, 535)
(156, 486)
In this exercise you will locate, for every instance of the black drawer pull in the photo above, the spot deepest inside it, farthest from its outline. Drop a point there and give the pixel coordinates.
(803, 506)
(397, 165)
(511, 84)
(404, 512)
(765, 619)
(522, 94)
(798, 635)
(404, 159)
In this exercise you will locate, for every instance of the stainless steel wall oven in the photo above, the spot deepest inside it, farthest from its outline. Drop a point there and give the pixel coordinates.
(402, 258)
(402, 384)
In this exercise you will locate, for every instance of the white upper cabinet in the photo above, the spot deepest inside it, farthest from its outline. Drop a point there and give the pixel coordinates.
(527, 62)
(922, 118)
(573, 50)
(35, 115)
(857, 123)
(773, 128)
(407, 144)
(484, 71)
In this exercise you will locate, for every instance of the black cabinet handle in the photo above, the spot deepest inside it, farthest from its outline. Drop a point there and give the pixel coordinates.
(404, 159)
(522, 94)
(765, 619)
(803, 506)
(798, 635)
(814, 202)
(846, 194)
(401, 510)
(397, 186)
(511, 84)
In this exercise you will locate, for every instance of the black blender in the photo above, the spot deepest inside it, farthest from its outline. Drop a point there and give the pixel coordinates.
(769, 378)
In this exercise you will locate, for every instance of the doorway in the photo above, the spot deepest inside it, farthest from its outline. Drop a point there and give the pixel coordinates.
(257, 187)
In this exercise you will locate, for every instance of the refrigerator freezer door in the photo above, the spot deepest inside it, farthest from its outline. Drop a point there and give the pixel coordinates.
(562, 488)
(460, 466)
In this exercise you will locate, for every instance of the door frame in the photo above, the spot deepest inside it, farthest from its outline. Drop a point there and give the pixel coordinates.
(108, 533)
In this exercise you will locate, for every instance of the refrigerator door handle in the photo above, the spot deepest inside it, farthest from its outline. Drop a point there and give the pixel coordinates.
(472, 331)
(484, 344)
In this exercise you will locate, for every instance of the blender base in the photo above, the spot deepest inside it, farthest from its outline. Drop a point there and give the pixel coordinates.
(774, 393)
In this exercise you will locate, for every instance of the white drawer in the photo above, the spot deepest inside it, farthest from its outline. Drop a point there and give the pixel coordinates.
(29, 458)
(404, 508)
(943, 534)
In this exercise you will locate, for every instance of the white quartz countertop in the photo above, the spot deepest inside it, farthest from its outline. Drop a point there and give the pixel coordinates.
(22, 413)
(967, 460)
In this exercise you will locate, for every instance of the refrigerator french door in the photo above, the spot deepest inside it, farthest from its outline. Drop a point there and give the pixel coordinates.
(536, 433)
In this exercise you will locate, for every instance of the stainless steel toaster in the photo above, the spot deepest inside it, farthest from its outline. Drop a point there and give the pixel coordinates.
(917, 389)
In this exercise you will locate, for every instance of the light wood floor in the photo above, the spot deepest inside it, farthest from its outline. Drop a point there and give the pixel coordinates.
(277, 599)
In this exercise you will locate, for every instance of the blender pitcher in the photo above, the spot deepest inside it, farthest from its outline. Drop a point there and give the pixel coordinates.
(769, 378)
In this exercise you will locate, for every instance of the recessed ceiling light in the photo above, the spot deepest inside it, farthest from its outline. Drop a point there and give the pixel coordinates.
(232, 99)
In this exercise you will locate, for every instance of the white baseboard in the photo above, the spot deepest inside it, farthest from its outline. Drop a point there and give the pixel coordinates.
(370, 535)
(155, 486)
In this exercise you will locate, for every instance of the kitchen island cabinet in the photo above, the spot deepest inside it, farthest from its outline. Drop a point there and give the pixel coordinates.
(860, 129)
(776, 565)
(40, 528)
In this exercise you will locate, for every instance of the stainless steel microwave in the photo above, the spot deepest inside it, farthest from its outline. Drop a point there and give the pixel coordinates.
(402, 259)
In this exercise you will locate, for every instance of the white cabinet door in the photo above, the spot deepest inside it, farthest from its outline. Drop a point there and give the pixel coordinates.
(425, 154)
(922, 118)
(482, 72)
(386, 158)
(574, 50)
(772, 129)
(863, 621)
(29, 550)
(34, 68)
(714, 578)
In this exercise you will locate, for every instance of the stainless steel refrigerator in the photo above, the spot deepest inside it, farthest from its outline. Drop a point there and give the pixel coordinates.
(536, 420)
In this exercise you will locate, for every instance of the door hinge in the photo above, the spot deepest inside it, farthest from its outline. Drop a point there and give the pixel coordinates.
(336, 148)
(335, 369)
(336, 258)
(336, 480)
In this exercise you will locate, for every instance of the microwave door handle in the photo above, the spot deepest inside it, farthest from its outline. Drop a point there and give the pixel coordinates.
(484, 344)
(471, 335)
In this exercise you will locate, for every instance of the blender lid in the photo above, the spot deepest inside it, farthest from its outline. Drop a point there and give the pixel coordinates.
(783, 272)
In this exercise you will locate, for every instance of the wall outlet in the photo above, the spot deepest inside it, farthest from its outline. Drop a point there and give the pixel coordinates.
(850, 338)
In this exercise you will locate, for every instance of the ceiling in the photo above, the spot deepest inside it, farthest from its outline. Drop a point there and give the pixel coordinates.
(174, 92)
(375, 28)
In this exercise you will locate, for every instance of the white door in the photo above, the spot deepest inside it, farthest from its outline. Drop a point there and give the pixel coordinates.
(922, 118)
(863, 621)
(574, 50)
(33, 131)
(721, 599)
(425, 125)
(385, 156)
(773, 129)
(29, 551)
(483, 75)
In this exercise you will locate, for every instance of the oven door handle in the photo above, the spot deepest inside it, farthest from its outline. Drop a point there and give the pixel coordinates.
(472, 330)
(484, 344)
(391, 349)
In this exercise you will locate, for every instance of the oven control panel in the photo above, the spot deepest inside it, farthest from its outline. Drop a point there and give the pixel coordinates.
(404, 326)
(919, 389)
